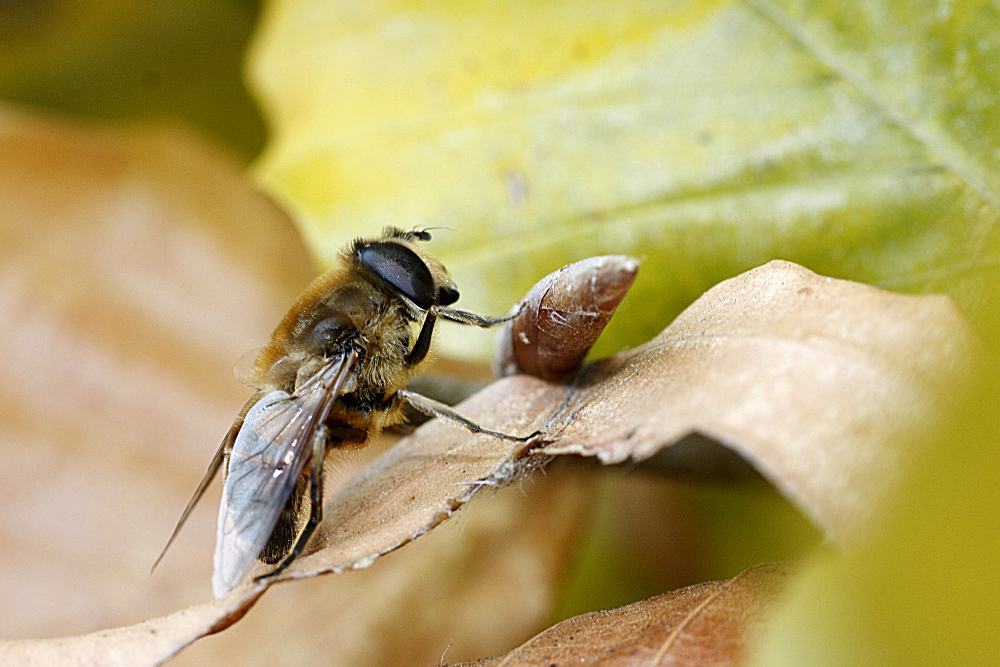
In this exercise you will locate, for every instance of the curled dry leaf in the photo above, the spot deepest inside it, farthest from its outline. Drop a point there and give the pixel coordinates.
(710, 624)
(563, 315)
(148, 643)
(426, 477)
(818, 383)
(477, 586)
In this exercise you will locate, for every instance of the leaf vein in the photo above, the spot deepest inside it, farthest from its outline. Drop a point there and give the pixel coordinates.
(950, 156)
(676, 633)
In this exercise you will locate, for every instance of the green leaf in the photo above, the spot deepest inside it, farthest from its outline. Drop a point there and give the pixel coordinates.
(860, 139)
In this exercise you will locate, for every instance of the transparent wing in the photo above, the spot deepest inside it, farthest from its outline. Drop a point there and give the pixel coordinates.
(267, 458)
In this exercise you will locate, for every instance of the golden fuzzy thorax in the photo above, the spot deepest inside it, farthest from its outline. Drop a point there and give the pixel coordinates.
(379, 324)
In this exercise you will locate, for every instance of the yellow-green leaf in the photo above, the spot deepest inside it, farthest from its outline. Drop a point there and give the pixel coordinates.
(859, 139)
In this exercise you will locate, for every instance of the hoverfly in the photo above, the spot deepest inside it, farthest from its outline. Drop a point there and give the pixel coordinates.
(332, 375)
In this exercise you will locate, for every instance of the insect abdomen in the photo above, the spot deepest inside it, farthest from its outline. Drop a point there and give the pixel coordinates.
(287, 529)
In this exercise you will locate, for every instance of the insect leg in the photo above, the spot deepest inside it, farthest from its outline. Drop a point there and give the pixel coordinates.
(433, 408)
(423, 344)
(465, 317)
(320, 439)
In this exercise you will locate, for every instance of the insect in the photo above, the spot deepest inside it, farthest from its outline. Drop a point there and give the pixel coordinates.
(332, 375)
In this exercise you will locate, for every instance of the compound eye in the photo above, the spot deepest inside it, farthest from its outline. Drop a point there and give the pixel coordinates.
(401, 269)
(447, 295)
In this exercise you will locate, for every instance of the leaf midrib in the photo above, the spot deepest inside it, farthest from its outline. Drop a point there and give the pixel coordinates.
(951, 156)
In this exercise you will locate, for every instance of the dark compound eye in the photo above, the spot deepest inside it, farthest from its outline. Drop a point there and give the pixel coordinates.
(447, 295)
(401, 269)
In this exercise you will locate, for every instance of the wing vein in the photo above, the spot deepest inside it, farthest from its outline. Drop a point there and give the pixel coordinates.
(267, 458)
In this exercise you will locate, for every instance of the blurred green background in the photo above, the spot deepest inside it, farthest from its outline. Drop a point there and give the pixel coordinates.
(128, 60)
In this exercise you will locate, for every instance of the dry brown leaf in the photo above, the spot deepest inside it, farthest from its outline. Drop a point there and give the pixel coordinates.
(484, 582)
(820, 384)
(816, 382)
(147, 643)
(711, 624)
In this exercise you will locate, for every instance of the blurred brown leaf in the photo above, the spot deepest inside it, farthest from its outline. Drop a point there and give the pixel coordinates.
(135, 267)
(707, 624)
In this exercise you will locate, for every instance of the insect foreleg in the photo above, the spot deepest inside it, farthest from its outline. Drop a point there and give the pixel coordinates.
(320, 441)
(423, 344)
(432, 408)
(465, 317)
